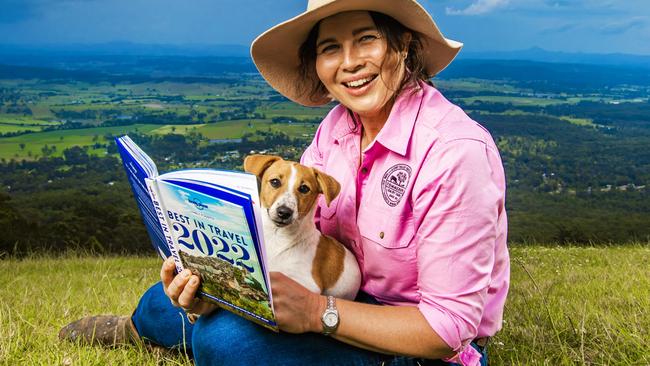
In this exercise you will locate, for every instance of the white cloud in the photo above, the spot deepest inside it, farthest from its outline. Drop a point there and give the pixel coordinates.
(622, 27)
(478, 7)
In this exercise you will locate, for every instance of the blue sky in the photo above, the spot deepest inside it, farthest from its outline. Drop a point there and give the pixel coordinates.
(596, 26)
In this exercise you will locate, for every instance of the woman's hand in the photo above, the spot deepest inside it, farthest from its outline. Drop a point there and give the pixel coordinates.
(181, 289)
(297, 310)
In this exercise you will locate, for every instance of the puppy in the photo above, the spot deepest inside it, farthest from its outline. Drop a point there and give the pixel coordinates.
(289, 194)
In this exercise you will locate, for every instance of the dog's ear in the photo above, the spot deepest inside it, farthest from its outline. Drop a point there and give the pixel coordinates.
(329, 187)
(257, 164)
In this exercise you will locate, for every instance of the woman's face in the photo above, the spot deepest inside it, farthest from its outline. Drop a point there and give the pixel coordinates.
(349, 56)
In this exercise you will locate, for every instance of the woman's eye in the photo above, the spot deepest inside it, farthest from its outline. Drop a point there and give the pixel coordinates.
(368, 38)
(275, 183)
(328, 49)
(303, 189)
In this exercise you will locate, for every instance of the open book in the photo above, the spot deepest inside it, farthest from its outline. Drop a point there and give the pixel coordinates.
(208, 221)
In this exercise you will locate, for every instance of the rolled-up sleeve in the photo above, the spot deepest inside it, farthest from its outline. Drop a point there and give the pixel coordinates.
(459, 196)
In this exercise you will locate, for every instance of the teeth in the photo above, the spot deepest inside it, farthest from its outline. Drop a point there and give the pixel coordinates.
(357, 83)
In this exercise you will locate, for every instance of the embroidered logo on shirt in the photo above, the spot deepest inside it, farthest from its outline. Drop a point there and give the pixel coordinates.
(394, 183)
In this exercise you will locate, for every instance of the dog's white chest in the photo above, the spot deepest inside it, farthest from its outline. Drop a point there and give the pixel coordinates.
(292, 256)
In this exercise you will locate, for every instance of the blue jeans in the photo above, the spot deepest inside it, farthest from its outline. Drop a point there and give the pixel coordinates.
(223, 338)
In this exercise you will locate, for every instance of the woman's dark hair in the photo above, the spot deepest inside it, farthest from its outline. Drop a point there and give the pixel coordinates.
(389, 28)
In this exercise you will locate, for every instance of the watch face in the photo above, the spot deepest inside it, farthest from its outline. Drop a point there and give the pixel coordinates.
(330, 319)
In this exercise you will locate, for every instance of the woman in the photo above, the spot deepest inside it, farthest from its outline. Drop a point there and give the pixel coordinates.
(421, 204)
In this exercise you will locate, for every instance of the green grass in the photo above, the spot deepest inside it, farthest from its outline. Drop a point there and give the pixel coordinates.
(576, 306)
(41, 295)
(567, 306)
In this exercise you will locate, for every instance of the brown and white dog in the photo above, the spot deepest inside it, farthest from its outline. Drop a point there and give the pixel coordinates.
(289, 194)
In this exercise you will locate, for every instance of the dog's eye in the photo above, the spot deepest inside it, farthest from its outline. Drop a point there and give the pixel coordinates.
(275, 183)
(303, 189)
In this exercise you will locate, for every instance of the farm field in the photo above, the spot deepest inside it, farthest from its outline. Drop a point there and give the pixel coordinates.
(216, 111)
(225, 109)
(291, 109)
(10, 147)
(476, 85)
(567, 306)
(25, 121)
(516, 100)
(237, 128)
(11, 128)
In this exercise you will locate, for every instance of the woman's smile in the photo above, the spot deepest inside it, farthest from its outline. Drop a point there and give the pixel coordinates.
(359, 86)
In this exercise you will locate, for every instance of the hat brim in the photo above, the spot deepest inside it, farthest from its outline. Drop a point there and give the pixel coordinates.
(276, 51)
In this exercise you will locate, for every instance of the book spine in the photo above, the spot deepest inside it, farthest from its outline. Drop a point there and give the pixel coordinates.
(164, 225)
(136, 176)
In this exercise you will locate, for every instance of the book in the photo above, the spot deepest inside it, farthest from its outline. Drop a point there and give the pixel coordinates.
(209, 221)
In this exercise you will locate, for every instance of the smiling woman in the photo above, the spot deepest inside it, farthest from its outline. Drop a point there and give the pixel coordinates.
(384, 35)
(421, 206)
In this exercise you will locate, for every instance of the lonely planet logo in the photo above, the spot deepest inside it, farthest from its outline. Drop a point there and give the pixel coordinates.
(198, 204)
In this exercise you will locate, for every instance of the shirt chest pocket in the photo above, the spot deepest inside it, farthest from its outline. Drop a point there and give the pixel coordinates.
(387, 228)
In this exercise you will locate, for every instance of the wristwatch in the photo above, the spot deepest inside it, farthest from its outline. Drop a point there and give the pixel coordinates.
(330, 317)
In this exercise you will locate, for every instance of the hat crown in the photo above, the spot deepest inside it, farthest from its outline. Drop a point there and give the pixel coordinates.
(314, 4)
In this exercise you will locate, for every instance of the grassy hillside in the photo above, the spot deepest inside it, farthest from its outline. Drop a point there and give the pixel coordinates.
(567, 306)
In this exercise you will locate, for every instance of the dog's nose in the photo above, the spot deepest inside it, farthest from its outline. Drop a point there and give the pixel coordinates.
(284, 212)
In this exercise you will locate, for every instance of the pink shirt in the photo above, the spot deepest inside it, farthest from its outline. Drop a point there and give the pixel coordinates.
(424, 213)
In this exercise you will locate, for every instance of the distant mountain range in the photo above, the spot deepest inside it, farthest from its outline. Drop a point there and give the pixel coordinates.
(542, 55)
(201, 50)
(127, 49)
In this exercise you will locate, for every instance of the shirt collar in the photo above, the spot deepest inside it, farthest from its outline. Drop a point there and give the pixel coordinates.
(396, 133)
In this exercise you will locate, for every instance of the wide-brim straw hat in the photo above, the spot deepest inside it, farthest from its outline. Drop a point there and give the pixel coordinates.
(276, 51)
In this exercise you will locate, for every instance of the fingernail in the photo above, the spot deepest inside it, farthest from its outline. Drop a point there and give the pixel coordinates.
(186, 273)
(193, 281)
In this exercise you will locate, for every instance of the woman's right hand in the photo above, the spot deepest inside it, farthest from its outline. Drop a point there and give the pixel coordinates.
(181, 289)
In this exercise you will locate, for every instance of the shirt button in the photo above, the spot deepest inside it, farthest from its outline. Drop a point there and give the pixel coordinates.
(381, 235)
(364, 170)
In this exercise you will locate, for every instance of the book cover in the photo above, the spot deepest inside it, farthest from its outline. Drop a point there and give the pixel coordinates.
(216, 236)
(209, 222)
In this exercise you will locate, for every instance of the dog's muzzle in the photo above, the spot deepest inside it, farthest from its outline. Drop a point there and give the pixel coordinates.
(283, 216)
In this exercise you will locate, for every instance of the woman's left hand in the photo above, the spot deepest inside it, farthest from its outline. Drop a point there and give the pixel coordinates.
(297, 309)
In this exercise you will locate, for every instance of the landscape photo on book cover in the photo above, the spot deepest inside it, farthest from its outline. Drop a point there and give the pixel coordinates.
(214, 241)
